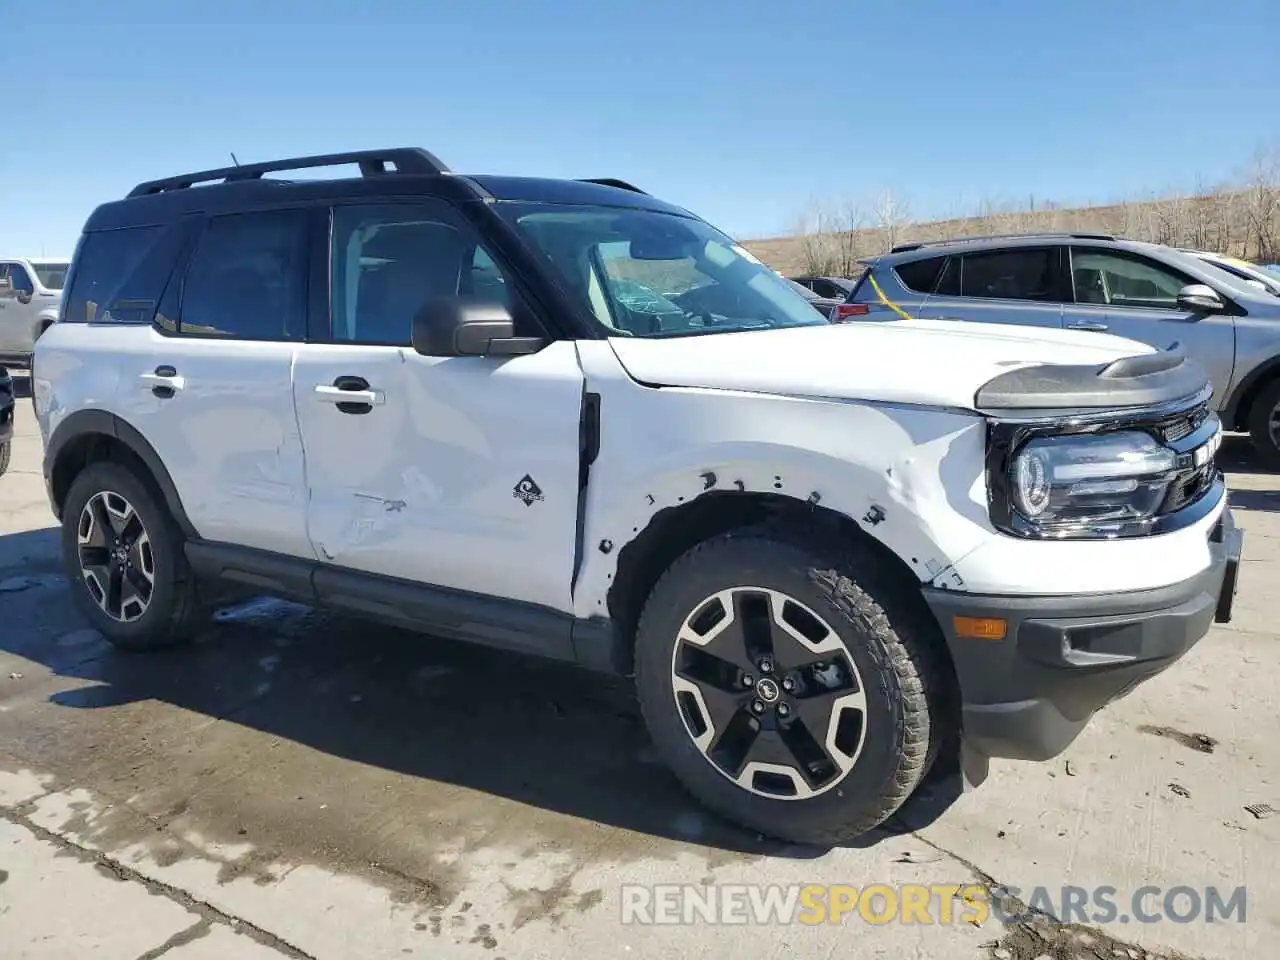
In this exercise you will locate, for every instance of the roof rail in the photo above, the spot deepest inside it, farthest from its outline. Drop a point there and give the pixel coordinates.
(372, 163)
(614, 182)
(904, 247)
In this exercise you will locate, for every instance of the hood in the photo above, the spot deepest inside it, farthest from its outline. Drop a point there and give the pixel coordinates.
(932, 362)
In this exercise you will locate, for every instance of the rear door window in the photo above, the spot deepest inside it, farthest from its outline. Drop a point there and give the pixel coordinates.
(1025, 273)
(247, 278)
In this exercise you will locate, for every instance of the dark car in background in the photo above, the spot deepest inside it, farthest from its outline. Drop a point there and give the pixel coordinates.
(825, 304)
(834, 288)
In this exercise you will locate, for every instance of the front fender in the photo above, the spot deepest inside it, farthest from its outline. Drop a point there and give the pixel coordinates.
(1257, 363)
(911, 477)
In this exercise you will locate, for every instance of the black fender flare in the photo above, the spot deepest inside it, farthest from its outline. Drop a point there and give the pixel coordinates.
(86, 423)
(1246, 388)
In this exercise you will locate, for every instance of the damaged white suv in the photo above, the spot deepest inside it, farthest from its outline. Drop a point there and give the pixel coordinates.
(566, 418)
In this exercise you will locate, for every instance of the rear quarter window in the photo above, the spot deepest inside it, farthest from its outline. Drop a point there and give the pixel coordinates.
(921, 276)
(105, 284)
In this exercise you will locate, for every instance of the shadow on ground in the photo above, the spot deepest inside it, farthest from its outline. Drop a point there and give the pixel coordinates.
(1239, 456)
(543, 734)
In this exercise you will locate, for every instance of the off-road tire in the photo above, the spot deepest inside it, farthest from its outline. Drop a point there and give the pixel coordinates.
(1260, 425)
(173, 612)
(6, 451)
(906, 678)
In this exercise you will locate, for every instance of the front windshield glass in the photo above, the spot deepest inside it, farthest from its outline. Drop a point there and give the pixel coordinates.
(1252, 273)
(52, 275)
(642, 273)
(1234, 278)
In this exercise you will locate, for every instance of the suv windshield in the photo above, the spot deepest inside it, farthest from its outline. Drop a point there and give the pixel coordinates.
(1249, 273)
(52, 275)
(642, 273)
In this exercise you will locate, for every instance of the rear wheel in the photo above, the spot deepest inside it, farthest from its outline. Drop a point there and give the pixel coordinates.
(1264, 424)
(123, 556)
(781, 692)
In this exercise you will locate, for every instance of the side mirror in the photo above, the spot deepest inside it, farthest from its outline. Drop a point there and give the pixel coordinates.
(24, 296)
(453, 327)
(1200, 298)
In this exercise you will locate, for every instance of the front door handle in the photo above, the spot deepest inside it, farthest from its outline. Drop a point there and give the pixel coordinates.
(164, 382)
(1087, 325)
(350, 395)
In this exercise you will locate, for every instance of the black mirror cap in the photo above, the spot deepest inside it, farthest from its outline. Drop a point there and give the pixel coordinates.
(454, 327)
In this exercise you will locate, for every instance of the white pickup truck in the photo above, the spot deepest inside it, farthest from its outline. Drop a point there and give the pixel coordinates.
(30, 298)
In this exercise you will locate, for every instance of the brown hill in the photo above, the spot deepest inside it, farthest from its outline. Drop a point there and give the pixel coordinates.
(1243, 220)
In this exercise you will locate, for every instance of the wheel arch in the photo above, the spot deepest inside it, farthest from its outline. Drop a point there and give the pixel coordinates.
(87, 436)
(1236, 413)
(675, 529)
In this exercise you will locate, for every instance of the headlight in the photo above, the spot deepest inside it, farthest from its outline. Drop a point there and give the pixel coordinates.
(1099, 479)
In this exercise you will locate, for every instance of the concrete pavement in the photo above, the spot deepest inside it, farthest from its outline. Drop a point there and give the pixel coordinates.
(302, 785)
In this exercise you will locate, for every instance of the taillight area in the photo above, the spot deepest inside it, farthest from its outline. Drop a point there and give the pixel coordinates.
(845, 312)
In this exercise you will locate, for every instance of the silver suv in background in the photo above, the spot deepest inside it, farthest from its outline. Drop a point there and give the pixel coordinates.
(30, 296)
(1142, 291)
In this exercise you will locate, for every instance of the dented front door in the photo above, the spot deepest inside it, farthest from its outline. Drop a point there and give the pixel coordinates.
(460, 472)
(457, 472)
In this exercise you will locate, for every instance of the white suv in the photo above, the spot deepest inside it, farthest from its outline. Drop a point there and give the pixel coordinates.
(30, 297)
(828, 554)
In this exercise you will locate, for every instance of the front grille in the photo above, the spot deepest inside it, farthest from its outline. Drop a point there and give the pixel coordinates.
(1175, 428)
(1192, 480)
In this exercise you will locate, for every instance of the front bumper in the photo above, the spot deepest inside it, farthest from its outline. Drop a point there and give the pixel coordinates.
(1030, 694)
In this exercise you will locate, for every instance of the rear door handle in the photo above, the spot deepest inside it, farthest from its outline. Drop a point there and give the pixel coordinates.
(164, 382)
(1087, 325)
(351, 395)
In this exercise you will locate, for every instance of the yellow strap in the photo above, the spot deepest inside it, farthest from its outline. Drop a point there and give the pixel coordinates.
(885, 300)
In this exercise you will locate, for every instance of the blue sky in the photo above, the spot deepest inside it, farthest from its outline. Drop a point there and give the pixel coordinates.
(739, 109)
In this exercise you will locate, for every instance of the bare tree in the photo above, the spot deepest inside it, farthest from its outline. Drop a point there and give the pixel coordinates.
(848, 238)
(1261, 202)
(1137, 221)
(816, 252)
(892, 216)
(1239, 217)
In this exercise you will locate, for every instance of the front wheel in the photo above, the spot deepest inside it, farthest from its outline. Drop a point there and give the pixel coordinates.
(1264, 424)
(781, 692)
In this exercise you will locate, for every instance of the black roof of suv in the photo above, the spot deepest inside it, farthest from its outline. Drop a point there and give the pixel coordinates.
(398, 171)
